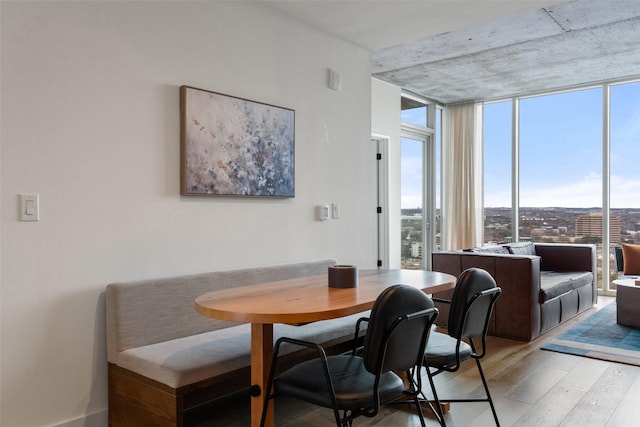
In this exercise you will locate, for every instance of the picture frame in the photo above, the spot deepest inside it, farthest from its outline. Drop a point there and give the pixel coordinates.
(232, 146)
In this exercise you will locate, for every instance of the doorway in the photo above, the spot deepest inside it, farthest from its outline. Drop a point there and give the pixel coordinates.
(408, 187)
(420, 148)
(417, 201)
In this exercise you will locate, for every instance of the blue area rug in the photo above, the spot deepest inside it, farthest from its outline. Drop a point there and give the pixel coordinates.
(600, 337)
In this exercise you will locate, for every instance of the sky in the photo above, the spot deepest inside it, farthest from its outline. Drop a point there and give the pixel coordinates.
(560, 151)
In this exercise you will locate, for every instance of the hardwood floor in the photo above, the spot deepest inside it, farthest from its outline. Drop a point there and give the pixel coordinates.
(530, 387)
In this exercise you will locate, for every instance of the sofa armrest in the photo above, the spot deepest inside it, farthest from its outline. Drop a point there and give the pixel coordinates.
(567, 257)
(517, 311)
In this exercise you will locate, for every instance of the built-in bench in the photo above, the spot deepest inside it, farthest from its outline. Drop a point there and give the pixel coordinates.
(165, 358)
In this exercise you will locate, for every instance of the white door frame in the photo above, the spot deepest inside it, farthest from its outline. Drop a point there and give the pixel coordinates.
(382, 166)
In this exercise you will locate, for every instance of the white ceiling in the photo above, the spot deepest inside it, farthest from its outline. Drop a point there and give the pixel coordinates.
(455, 50)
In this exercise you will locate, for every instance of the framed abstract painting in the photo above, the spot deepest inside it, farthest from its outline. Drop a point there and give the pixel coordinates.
(231, 146)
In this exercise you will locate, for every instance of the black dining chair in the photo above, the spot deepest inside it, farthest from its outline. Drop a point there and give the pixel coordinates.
(360, 382)
(472, 303)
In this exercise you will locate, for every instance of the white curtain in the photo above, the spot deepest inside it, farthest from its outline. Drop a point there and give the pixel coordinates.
(462, 180)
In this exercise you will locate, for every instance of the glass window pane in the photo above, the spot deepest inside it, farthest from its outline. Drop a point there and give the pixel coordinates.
(413, 112)
(560, 163)
(561, 168)
(411, 203)
(625, 174)
(497, 173)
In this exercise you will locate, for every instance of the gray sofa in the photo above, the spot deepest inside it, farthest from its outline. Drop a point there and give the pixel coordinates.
(543, 284)
(165, 358)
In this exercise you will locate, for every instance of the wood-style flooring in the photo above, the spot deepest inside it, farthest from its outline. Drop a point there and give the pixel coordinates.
(530, 387)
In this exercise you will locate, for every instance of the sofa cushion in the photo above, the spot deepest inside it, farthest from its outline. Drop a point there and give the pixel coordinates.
(187, 360)
(631, 257)
(580, 279)
(555, 283)
(523, 248)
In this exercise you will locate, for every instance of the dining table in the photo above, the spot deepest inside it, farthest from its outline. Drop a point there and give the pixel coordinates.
(299, 301)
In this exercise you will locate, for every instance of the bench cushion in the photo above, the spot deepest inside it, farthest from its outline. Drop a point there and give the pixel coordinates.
(187, 360)
(145, 312)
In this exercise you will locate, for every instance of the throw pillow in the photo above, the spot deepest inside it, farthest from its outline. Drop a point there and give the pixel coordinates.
(524, 248)
(491, 250)
(631, 257)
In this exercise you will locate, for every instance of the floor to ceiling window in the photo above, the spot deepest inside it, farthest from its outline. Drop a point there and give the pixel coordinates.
(559, 181)
(624, 119)
(560, 166)
(497, 173)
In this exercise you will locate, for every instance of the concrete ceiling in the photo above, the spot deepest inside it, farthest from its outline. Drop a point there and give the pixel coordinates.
(457, 51)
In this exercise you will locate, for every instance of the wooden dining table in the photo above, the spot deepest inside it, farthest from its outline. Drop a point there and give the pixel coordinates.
(299, 301)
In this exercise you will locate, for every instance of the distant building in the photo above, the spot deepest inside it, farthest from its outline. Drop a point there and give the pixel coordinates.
(411, 212)
(591, 226)
(416, 250)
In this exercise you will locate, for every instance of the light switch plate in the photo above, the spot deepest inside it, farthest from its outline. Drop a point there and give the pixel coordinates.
(29, 207)
(335, 210)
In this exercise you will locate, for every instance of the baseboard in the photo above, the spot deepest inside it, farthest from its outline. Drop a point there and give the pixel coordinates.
(99, 419)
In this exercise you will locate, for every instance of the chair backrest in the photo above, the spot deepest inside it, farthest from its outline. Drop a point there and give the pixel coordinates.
(617, 255)
(472, 303)
(398, 328)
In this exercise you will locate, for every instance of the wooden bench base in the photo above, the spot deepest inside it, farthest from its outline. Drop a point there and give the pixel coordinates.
(135, 400)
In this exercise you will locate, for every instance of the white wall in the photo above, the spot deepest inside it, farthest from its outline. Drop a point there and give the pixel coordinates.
(90, 121)
(385, 120)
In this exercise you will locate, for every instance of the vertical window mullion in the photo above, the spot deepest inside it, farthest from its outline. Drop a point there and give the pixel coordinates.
(515, 169)
(606, 187)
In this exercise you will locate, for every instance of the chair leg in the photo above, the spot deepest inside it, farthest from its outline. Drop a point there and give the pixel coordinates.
(412, 388)
(344, 422)
(438, 411)
(486, 389)
(413, 394)
(416, 401)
